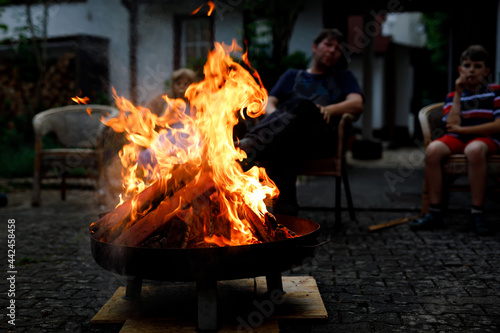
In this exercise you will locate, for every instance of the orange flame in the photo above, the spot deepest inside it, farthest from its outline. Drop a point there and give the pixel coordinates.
(211, 6)
(80, 100)
(205, 139)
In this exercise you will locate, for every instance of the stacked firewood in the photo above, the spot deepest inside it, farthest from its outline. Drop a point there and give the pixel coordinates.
(58, 85)
(19, 93)
(179, 214)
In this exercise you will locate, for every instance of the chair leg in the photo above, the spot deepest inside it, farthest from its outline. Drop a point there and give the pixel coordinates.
(63, 187)
(37, 182)
(445, 192)
(338, 208)
(347, 189)
(448, 181)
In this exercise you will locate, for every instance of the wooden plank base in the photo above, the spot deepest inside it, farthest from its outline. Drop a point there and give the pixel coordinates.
(174, 326)
(243, 304)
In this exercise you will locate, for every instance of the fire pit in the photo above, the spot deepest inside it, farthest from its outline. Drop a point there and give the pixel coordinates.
(206, 266)
(188, 211)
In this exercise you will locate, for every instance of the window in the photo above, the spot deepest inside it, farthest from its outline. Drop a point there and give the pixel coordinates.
(193, 40)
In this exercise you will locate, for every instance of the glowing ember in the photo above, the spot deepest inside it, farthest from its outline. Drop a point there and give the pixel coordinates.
(181, 170)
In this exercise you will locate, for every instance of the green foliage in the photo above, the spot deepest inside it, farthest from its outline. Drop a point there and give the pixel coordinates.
(262, 52)
(101, 98)
(196, 64)
(437, 27)
(271, 71)
(297, 59)
(16, 158)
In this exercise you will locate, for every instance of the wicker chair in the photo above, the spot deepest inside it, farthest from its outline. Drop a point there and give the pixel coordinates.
(80, 135)
(335, 167)
(430, 118)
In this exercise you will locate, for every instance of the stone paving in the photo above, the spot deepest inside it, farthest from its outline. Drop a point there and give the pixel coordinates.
(392, 280)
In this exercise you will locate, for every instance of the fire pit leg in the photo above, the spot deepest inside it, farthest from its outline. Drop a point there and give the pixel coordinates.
(207, 305)
(274, 282)
(134, 285)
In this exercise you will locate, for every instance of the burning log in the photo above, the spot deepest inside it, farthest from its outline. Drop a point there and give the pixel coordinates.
(193, 194)
(108, 227)
(183, 219)
(196, 237)
(264, 232)
(174, 236)
(218, 224)
(173, 215)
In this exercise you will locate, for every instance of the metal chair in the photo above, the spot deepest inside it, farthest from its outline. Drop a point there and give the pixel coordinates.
(335, 167)
(79, 134)
(430, 118)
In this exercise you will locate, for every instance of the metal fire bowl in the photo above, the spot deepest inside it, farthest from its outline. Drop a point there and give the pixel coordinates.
(219, 263)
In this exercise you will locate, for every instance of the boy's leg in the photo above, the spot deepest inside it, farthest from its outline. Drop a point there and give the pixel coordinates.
(476, 152)
(435, 153)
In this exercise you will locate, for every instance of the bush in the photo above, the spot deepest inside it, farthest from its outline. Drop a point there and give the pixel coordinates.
(16, 157)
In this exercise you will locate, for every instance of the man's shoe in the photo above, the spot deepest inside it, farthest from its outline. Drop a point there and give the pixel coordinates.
(480, 226)
(430, 221)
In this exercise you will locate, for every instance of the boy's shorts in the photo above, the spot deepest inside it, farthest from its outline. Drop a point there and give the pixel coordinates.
(457, 146)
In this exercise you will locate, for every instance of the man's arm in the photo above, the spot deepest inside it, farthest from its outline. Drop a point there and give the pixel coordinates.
(352, 104)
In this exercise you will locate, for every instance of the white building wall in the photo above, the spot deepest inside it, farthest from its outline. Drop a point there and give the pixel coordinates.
(377, 101)
(306, 28)
(228, 25)
(378, 93)
(404, 86)
(156, 41)
(155, 44)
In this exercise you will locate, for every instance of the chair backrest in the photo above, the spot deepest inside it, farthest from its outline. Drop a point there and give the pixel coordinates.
(430, 118)
(330, 166)
(73, 125)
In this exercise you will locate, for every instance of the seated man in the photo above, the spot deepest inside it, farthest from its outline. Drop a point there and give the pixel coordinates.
(303, 112)
(472, 116)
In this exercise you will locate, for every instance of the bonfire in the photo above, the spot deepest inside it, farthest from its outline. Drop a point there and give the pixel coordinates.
(183, 183)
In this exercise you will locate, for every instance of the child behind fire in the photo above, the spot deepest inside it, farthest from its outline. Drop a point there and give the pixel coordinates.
(472, 116)
(181, 80)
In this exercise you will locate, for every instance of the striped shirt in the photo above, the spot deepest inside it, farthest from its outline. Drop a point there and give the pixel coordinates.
(476, 108)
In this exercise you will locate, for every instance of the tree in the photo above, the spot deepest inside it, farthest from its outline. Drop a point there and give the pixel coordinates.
(22, 75)
(35, 35)
(269, 48)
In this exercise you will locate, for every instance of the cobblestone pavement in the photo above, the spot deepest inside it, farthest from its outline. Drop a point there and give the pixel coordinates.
(393, 280)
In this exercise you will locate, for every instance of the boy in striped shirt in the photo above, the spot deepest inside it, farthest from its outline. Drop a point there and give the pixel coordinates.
(472, 117)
